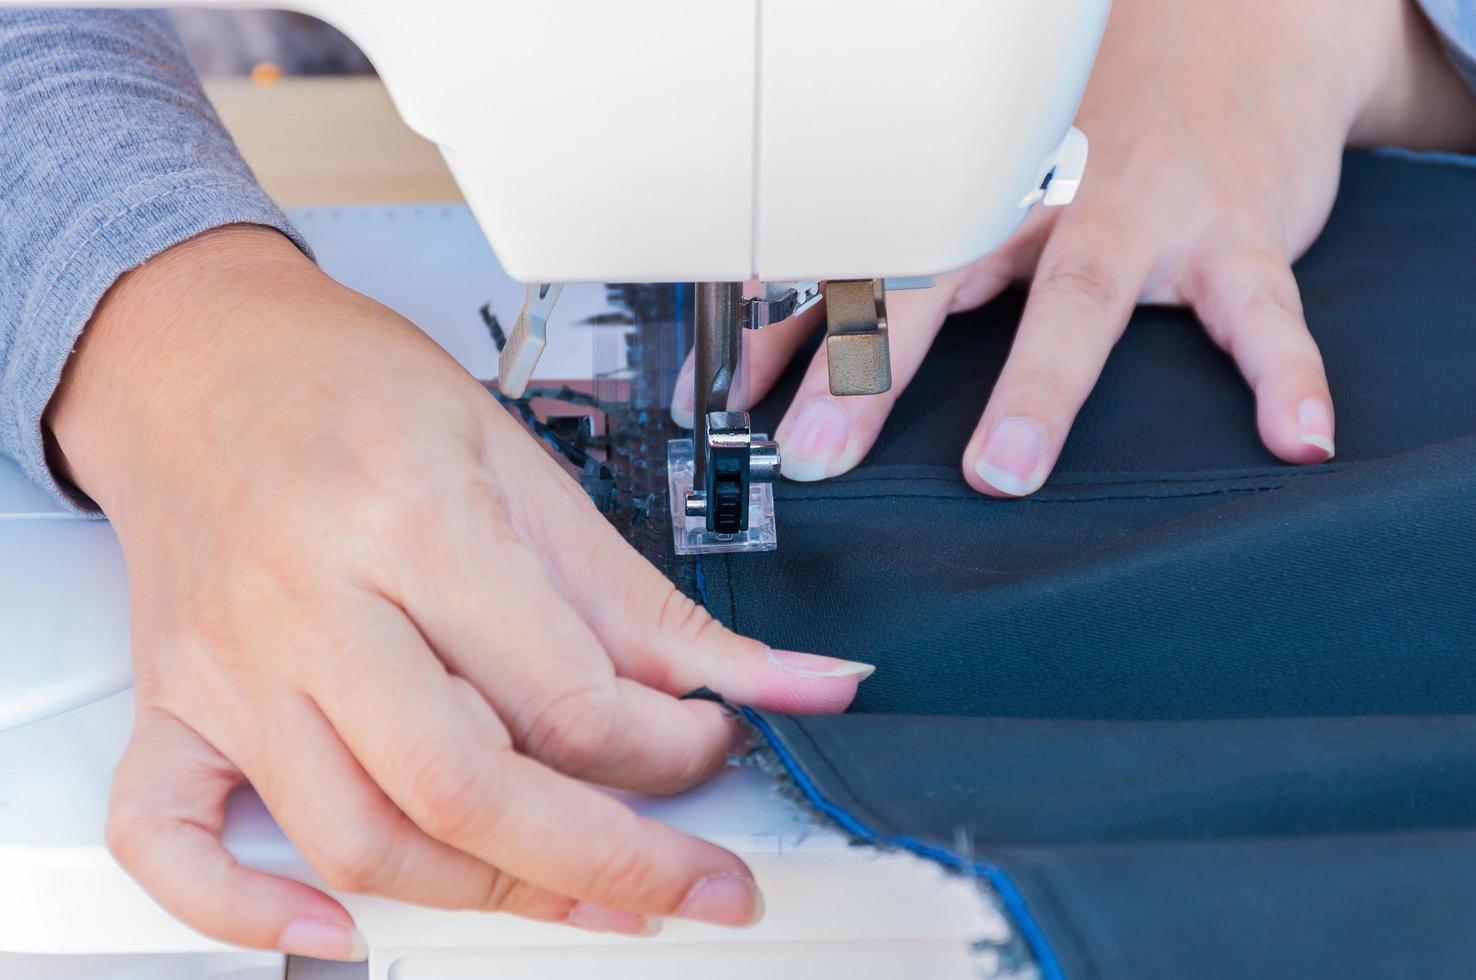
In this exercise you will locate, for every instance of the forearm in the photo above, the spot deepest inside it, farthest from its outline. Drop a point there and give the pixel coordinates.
(109, 154)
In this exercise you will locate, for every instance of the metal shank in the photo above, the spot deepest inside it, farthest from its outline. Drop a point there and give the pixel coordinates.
(718, 343)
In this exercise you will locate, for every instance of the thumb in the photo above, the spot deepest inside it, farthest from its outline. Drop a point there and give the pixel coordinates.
(164, 823)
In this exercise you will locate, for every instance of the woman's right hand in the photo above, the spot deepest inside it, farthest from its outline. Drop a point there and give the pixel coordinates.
(358, 584)
(1218, 131)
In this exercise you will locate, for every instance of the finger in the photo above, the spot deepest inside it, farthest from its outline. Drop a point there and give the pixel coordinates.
(504, 627)
(766, 353)
(1248, 300)
(164, 823)
(823, 435)
(1086, 284)
(660, 638)
(310, 782)
(448, 765)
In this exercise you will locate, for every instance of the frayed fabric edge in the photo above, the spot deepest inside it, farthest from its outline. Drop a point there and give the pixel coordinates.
(1025, 953)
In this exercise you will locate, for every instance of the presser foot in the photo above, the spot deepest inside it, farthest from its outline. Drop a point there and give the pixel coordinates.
(690, 502)
(722, 498)
(722, 505)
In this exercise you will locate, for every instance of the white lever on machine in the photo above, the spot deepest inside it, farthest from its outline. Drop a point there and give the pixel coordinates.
(528, 338)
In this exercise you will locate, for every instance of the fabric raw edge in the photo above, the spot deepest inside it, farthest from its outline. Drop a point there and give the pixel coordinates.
(1025, 954)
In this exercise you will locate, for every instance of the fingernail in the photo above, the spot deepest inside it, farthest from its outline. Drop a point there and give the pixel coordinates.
(683, 398)
(323, 940)
(813, 666)
(1012, 455)
(602, 918)
(1315, 420)
(725, 900)
(815, 441)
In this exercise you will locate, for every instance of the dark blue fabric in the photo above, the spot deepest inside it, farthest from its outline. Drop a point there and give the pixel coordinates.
(1283, 848)
(1172, 568)
(1213, 715)
(844, 813)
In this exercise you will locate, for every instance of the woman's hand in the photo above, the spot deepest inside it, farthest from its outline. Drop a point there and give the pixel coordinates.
(359, 585)
(1217, 131)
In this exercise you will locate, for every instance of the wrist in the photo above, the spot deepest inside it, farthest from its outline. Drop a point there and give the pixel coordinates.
(157, 345)
(1414, 98)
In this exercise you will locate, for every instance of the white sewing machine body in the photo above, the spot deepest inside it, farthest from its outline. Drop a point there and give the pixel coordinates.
(780, 140)
(786, 142)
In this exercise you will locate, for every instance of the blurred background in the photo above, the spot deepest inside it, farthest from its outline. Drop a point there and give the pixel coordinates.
(308, 112)
(236, 42)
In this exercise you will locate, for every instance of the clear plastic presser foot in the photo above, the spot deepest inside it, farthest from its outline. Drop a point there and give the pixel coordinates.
(690, 534)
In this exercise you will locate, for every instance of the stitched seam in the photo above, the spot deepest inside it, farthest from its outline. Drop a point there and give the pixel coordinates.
(699, 582)
(1211, 474)
(858, 802)
(732, 595)
(1079, 477)
(1153, 481)
(1035, 499)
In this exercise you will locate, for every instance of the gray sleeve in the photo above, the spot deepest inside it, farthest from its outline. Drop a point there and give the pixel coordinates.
(109, 154)
(1456, 22)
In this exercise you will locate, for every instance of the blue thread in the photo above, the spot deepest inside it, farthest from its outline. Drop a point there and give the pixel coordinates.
(1426, 156)
(701, 581)
(999, 880)
(1013, 901)
(681, 306)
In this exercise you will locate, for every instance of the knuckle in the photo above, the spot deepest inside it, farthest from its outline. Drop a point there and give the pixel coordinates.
(707, 630)
(627, 878)
(356, 860)
(1272, 298)
(1043, 386)
(1295, 365)
(392, 497)
(277, 578)
(606, 550)
(689, 765)
(499, 894)
(678, 615)
(394, 506)
(487, 503)
(544, 512)
(1080, 275)
(572, 731)
(451, 791)
(213, 632)
(126, 830)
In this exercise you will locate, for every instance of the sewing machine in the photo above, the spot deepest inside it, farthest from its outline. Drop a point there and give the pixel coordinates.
(754, 148)
(772, 143)
(777, 143)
